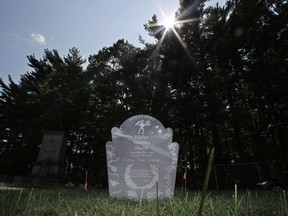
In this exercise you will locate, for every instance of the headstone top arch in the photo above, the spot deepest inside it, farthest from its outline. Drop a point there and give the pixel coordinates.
(142, 127)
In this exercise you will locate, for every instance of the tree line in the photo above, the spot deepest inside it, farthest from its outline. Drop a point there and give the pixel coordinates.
(219, 79)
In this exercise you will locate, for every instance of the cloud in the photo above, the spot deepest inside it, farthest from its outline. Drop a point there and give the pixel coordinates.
(40, 39)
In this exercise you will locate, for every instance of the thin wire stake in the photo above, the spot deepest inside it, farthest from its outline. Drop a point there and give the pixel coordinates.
(235, 200)
(141, 197)
(157, 199)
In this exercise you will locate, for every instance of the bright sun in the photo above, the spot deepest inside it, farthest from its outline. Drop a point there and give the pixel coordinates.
(169, 23)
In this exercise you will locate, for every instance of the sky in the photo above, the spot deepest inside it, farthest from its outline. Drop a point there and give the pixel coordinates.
(30, 26)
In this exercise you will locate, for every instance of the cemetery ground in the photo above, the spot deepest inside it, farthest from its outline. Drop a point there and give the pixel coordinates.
(76, 201)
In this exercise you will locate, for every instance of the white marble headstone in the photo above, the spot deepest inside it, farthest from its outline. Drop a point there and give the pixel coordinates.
(140, 157)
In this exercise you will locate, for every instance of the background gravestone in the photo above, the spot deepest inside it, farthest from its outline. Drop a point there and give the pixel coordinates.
(140, 156)
(51, 158)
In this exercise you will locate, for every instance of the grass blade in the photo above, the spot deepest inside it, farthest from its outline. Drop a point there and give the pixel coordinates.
(206, 181)
(285, 203)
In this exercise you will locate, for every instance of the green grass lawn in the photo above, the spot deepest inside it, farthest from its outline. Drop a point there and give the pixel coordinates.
(59, 201)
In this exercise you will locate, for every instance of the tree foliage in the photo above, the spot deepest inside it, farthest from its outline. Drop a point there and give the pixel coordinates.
(219, 79)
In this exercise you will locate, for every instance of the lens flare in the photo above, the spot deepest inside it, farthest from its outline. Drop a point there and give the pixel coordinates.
(169, 23)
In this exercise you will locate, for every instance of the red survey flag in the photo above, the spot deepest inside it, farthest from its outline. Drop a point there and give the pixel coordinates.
(86, 183)
(185, 175)
(86, 186)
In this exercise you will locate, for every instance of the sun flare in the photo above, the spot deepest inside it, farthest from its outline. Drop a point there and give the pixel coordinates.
(169, 23)
(169, 26)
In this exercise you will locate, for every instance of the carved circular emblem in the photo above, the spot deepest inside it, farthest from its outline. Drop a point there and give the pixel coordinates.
(131, 184)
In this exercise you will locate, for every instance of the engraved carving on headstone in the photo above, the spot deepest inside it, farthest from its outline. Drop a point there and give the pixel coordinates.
(142, 126)
(141, 154)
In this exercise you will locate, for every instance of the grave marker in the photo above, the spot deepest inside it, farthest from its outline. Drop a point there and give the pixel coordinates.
(51, 158)
(140, 156)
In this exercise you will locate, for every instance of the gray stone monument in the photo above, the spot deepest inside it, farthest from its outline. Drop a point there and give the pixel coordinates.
(141, 160)
(51, 158)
